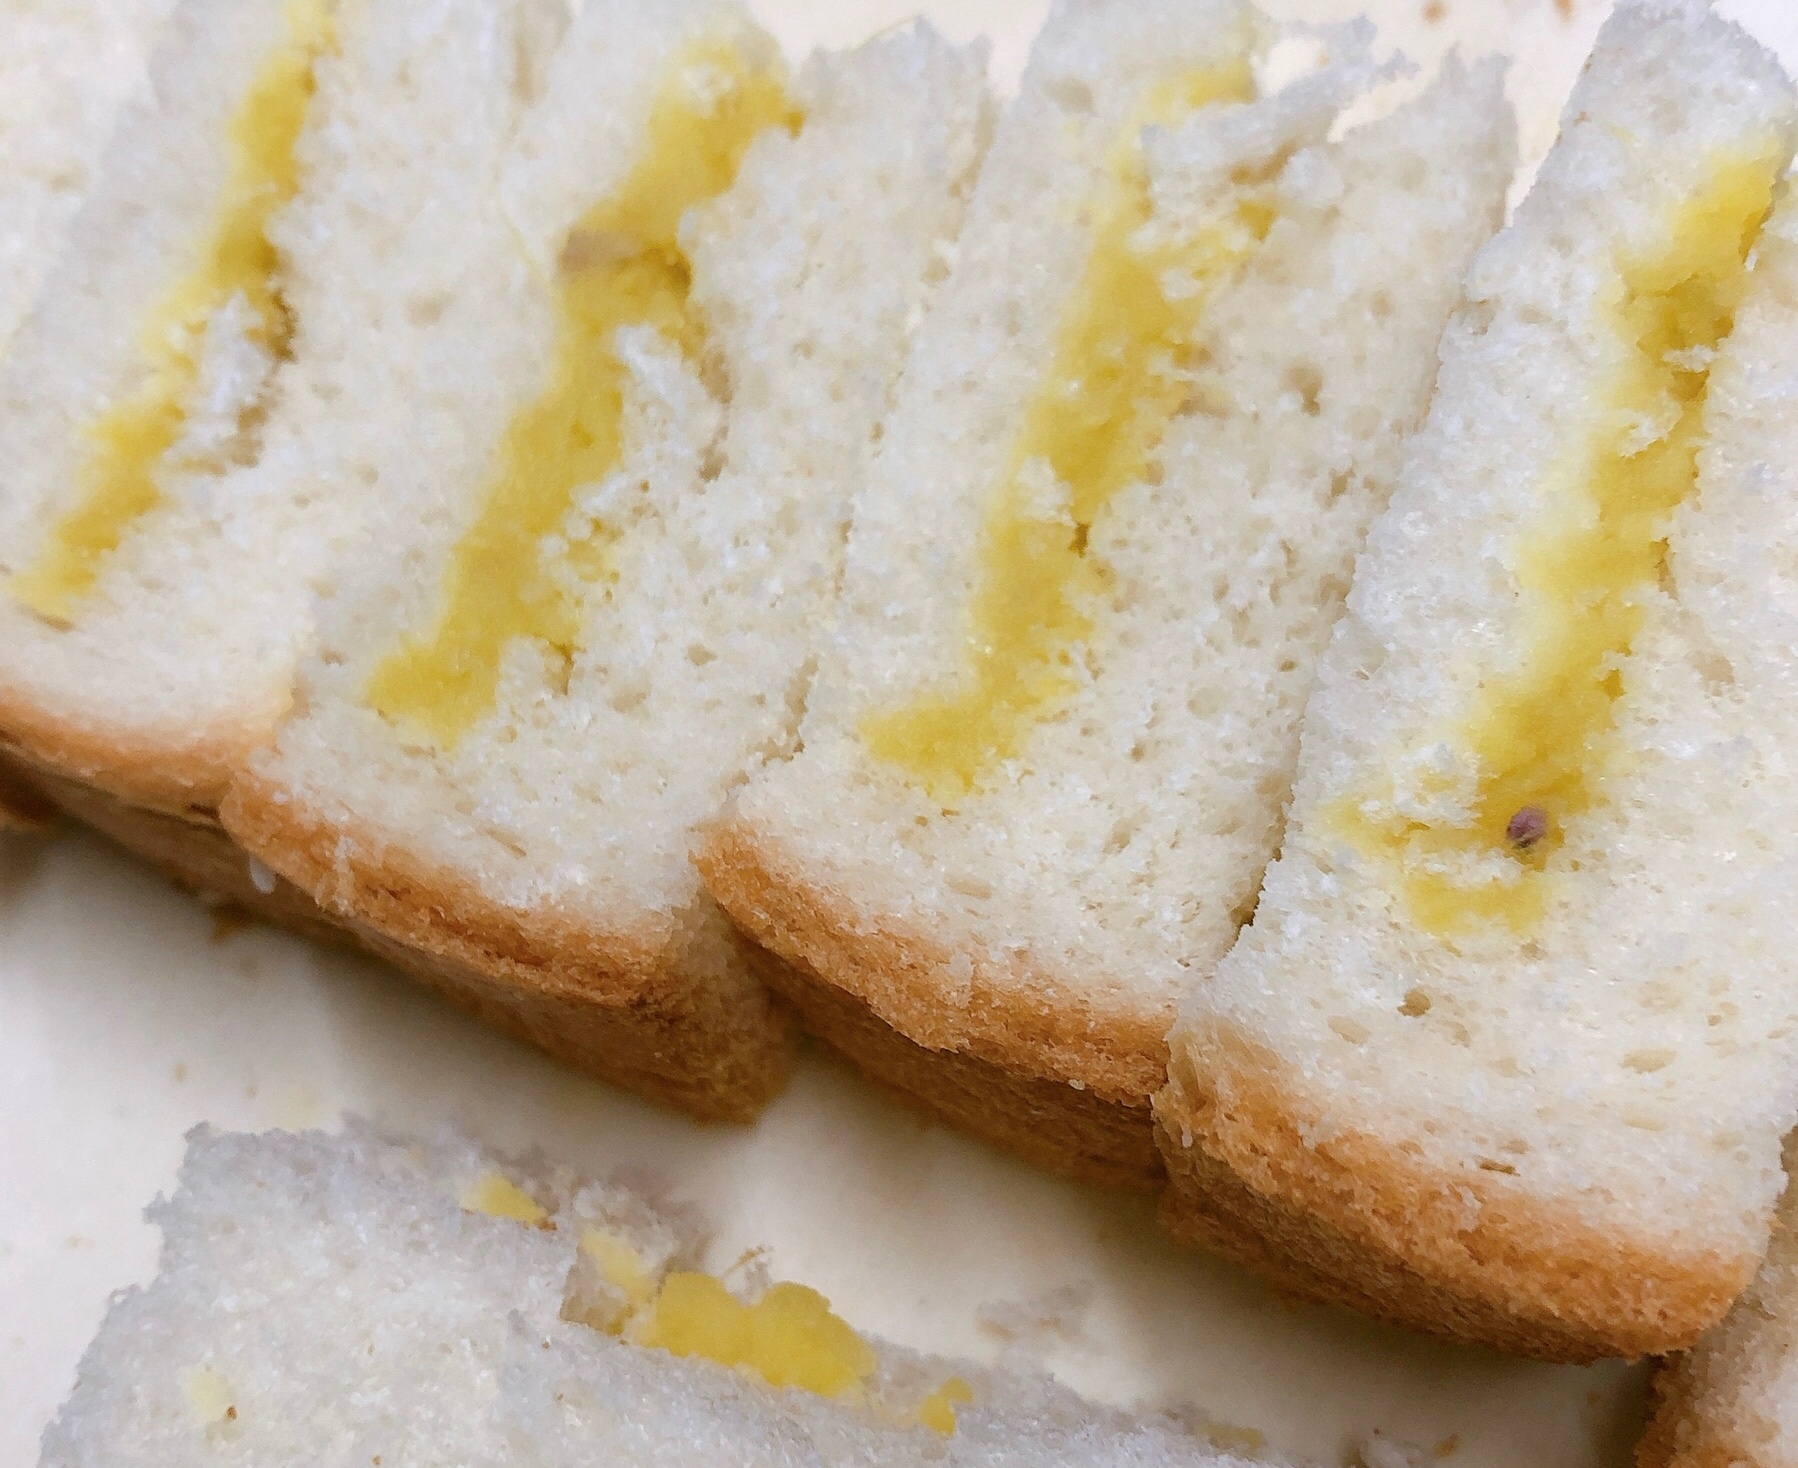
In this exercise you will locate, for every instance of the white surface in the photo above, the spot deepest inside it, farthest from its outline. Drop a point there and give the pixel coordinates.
(124, 1020)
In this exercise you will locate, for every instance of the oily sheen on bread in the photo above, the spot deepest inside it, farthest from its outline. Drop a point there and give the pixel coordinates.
(327, 1301)
(601, 547)
(1509, 1048)
(1113, 514)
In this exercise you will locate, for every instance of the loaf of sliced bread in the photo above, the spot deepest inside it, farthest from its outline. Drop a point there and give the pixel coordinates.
(1733, 1398)
(1510, 1047)
(348, 1300)
(67, 69)
(606, 521)
(1114, 512)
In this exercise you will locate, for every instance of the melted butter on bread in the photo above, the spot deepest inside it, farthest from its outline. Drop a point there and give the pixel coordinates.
(622, 265)
(1540, 740)
(130, 445)
(789, 1337)
(1119, 374)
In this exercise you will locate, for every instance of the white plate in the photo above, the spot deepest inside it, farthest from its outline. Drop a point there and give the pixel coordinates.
(125, 1019)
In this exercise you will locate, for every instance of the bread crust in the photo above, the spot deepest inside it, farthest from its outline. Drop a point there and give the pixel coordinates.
(1047, 1123)
(184, 772)
(625, 1007)
(647, 1042)
(1045, 1073)
(1354, 1220)
(22, 806)
(1680, 1434)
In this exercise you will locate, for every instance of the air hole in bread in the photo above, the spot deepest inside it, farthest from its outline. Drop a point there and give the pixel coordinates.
(1069, 93)
(1307, 381)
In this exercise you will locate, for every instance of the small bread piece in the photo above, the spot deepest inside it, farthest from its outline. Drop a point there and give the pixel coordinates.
(67, 69)
(1507, 1053)
(1732, 1400)
(602, 547)
(1046, 753)
(327, 1301)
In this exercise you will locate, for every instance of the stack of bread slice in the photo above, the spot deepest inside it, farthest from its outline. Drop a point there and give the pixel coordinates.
(318, 279)
(1113, 515)
(349, 1300)
(634, 534)
(604, 524)
(1510, 1047)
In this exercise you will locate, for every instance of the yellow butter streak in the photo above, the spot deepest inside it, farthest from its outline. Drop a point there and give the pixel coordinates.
(1542, 737)
(789, 1337)
(1092, 427)
(937, 1411)
(622, 265)
(130, 443)
(498, 1196)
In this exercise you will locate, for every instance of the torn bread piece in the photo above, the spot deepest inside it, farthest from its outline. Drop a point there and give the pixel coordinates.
(1509, 1049)
(345, 1300)
(68, 68)
(571, 636)
(170, 414)
(1114, 513)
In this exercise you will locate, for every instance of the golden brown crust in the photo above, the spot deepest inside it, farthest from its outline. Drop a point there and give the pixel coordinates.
(995, 1059)
(191, 849)
(634, 1008)
(22, 807)
(1681, 1434)
(1045, 1122)
(178, 772)
(715, 1060)
(1350, 1219)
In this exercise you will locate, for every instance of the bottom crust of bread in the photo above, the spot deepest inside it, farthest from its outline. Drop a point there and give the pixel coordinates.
(1357, 1222)
(654, 1050)
(1066, 1090)
(1070, 1132)
(623, 1007)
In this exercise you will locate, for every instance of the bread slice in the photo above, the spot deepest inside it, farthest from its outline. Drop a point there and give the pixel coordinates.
(1733, 1398)
(67, 68)
(1509, 1048)
(283, 195)
(341, 1300)
(548, 669)
(986, 871)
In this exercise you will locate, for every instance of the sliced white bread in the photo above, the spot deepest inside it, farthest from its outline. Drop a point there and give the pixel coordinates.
(346, 1300)
(302, 181)
(549, 668)
(1732, 1400)
(1511, 1044)
(67, 68)
(1045, 756)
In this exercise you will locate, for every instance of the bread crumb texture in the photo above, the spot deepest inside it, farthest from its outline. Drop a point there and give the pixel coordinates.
(227, 314)
(1112, 516)
(1507, 1051)
(588, 614)
(171, 410)
(331, 1300)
